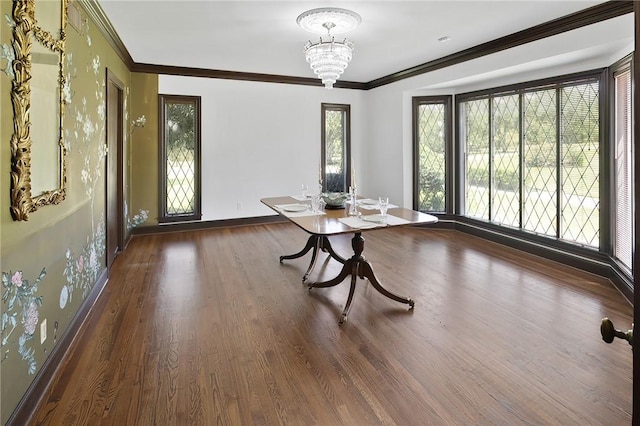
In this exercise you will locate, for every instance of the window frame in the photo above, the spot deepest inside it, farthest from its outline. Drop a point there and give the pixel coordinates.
(598, 76)
(449, 186)
(196, 215)
(346, 110)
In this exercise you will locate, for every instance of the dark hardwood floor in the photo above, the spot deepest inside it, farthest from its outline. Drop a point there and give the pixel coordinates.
(208, 328)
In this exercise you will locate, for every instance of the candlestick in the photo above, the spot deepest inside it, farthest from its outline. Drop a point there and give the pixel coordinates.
(353, 208)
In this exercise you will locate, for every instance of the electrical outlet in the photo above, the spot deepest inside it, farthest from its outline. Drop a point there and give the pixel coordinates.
(43, 331)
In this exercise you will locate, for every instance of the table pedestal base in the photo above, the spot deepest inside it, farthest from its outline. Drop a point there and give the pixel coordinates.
(357, 266)
(317, 243)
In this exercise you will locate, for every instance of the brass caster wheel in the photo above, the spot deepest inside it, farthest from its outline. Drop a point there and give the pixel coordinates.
(343, 319)
(281, 259)
(412, 304)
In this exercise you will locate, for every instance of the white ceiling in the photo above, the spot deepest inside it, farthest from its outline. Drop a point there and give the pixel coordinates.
(263, 37)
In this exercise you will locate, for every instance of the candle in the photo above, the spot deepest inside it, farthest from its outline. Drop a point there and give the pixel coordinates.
(353, 174)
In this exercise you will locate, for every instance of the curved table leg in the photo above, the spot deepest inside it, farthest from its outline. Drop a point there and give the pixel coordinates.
(314, 257)
(350, 267)
(367, 271)
(326, 246)
(346, 270)
(352, 289)
(358, 266)
(312, 242)
(315, 242)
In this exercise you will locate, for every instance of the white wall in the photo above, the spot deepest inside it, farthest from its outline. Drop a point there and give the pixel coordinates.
(390, 137)
(260, 139)
(263, 139)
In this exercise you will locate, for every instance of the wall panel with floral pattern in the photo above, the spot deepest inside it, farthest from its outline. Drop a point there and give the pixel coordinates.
(50, 263)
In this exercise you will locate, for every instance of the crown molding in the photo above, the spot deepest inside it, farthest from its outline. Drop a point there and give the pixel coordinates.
(245, 76)
(96, 13)
(601, 12)
(592, 15)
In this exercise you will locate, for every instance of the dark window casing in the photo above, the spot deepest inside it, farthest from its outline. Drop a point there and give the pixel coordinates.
(447, 128)
(335, 180)
(194, 212)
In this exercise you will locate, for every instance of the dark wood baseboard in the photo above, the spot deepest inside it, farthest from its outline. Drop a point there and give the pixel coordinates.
(584, 259)
(587, 260)
(621, 280)
(24, 411)
(578, 257)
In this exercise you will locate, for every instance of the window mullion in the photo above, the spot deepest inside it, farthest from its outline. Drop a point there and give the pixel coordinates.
(521, 157)
(491, 153)
(559, 223)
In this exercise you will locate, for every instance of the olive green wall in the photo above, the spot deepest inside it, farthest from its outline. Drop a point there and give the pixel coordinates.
(51, 262)
(143, 166)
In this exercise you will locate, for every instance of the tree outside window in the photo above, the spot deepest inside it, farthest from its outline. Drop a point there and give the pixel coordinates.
(532, 159)
(431, 136)
(336, 147)
(180, 158)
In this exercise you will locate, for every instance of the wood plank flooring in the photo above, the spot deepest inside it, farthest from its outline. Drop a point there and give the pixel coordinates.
(208, 328)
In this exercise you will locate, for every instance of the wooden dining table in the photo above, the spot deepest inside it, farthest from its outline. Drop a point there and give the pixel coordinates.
(330, 222)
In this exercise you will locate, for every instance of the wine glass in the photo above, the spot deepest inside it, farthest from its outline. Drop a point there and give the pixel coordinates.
(315, 203)
(383, 205)
(305, 191)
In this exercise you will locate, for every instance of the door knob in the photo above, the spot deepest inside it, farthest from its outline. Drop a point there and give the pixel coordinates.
(609, 332)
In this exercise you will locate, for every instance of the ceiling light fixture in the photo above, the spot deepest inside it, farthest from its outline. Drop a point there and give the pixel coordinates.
(329, 58)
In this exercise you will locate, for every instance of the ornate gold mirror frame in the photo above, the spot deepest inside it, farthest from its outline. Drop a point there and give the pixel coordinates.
(38, 67)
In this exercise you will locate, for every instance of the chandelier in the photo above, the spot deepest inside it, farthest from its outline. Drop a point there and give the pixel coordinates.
(328, 58)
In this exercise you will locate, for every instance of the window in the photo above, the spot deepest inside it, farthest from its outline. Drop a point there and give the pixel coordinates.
(622, 167)
(540, 162)
(179, 158)
(532, 157)
(432, 142)
(475, 134)
(336, 147)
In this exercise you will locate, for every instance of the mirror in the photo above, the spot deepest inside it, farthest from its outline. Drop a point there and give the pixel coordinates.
(38, 175)
(49, 16)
